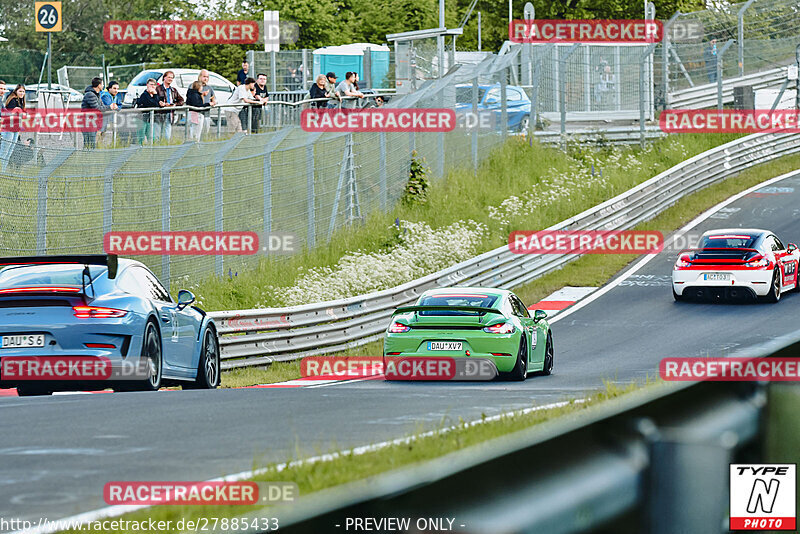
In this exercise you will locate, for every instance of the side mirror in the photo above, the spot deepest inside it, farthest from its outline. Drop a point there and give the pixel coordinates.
(185, 298)
(791, 247)
(538, 315)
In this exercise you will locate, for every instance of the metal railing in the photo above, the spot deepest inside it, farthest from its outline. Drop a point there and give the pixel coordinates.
(261, 336)
(706, 96)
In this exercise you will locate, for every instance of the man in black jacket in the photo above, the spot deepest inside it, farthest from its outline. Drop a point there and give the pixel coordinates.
(148, 100)
(91, 100)
(170, 98)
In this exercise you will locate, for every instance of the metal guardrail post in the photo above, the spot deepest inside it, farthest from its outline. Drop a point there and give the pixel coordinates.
(269, 148)
(219, 121)
(108, 186)
(219, 192)
(273, 71)
(382, 174)
(166, 213)
(720, 56)
(152, 129)
(644, 60)
(740, 34)
(474, 134)
(312, 197)
(562, 90)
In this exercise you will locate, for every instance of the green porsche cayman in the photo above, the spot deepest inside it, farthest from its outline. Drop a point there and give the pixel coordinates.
(472, 322)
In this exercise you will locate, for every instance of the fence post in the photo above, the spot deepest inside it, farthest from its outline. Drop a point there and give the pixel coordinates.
(273, 71)
(382, 172)
(166, 214)
(268, 150)
(503, 103)
(108, 186)
(440, 140)
(41, 206)
(475, 130)
(665, 57)
(740, 34)
(720, 56)
(644, 60)
(219, 191)
(311, 238)
(562, 90)
(219, 121)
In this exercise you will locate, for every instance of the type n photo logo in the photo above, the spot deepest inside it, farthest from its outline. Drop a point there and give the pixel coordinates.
(763, 497)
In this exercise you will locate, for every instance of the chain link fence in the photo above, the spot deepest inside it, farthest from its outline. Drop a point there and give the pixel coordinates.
(62, 199)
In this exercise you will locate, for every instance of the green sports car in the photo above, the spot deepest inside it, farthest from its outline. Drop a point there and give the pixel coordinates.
(472, 322)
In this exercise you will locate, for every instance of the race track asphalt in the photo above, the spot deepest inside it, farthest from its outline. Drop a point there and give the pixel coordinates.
(56, 453)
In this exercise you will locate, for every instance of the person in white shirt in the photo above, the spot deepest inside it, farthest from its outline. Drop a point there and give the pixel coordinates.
(237, 118)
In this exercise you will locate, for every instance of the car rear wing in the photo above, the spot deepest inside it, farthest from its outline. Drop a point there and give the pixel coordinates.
(407, 309)
(107, 260)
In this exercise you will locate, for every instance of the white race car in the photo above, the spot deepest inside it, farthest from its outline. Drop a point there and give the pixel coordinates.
(736, 263)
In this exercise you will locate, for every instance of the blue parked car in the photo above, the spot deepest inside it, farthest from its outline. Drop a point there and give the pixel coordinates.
(99, 308)
(517, 102)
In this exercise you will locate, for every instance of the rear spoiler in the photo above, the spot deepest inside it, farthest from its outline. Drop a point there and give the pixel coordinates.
(406, 309)
(719, 248)
(109, 260)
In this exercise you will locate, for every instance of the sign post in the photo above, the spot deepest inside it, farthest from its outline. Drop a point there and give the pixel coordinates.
(48, 19)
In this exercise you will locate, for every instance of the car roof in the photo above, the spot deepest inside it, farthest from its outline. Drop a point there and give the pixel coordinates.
(753, 232)
(458, 290)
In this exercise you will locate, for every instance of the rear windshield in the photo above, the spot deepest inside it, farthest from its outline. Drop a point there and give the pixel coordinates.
(13, 276)
(461, 299)
(728, 241)
(142, 78)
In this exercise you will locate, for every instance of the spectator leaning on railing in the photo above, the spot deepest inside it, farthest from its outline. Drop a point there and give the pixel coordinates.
(170, 98)
(318, 91)
(194, 98)
(208, 97)
(109, 96)
(91, 100)
(330, 90)
(242, 95)
(261, 94)
(148, 100)
(15, 103)
(347, 87)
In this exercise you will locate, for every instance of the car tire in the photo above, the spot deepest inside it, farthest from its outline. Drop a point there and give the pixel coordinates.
(152, 353)
(32, 391)
(796, 288)
(520, 370)
(678, 298)
(547, 370)
(774, 294)
(523, 123)
(208, 366)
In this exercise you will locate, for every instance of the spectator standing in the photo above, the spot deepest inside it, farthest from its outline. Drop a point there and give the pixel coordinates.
(242, 95)
(5, 136)
(330, 90)
(14, 103)
(148, 100)
(208, 98)
(261, 94)
(347, 87)
(91, 100)
(171, 98)
(194, 98)
(711, 61)
(318, 91)
(110, 96)
(241, 76)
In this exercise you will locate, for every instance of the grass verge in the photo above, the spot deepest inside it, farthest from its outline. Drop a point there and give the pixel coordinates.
(347, 466)
(589, 270)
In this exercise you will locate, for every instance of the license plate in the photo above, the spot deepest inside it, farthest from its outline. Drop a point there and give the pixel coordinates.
(444, 345)
(23, 341)
(717, 277)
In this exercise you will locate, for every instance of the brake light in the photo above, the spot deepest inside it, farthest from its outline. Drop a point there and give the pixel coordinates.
(503, 328)
(759, 261)
(100, 346)
(96, 312)
(41, 289)
(684, 260)
(397, 328)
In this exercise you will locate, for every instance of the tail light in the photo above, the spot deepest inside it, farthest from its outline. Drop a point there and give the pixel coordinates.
(397, 328)
(684, 260)
(759, 261)
(41, 289)
(503, 328)
(100, 346)
(96, 312)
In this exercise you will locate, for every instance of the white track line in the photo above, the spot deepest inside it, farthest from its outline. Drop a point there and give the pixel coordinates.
(642, 262)
(112, 511)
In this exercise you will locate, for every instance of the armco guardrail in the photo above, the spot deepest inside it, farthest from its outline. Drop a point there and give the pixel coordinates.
(261, 336)
(705, 96)
(654, 461)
